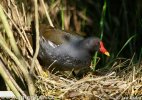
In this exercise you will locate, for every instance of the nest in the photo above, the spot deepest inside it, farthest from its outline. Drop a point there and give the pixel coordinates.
(90, 87)
(16, 65)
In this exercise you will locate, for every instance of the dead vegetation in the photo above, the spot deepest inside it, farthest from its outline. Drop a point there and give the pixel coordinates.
(16, 61)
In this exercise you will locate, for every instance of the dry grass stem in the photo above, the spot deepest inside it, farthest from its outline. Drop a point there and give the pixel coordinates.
(122, 79)
(8, 80)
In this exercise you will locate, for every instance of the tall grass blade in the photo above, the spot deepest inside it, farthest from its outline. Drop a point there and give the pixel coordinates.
(125, 44)
(102, 30)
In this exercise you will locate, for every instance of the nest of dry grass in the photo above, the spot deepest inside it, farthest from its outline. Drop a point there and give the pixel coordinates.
(16, 65)
(109, 86)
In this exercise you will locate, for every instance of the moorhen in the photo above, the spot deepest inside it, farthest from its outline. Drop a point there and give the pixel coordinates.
(67, 51)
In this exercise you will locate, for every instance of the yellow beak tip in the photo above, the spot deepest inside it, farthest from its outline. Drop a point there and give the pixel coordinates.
(107, 53)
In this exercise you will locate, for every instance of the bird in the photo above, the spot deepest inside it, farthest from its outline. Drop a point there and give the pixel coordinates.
(67, 51)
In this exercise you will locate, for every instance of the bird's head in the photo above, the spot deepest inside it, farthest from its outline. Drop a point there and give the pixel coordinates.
(95, 44)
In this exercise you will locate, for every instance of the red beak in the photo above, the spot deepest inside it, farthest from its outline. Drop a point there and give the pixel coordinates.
(103, 50)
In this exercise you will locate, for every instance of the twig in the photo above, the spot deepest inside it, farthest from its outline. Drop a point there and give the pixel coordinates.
(13, 81)
(37, 36)
(24, 37)
(8, 81)
(24, 70)
(47, 14)
(18, 58)
(9, 33)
